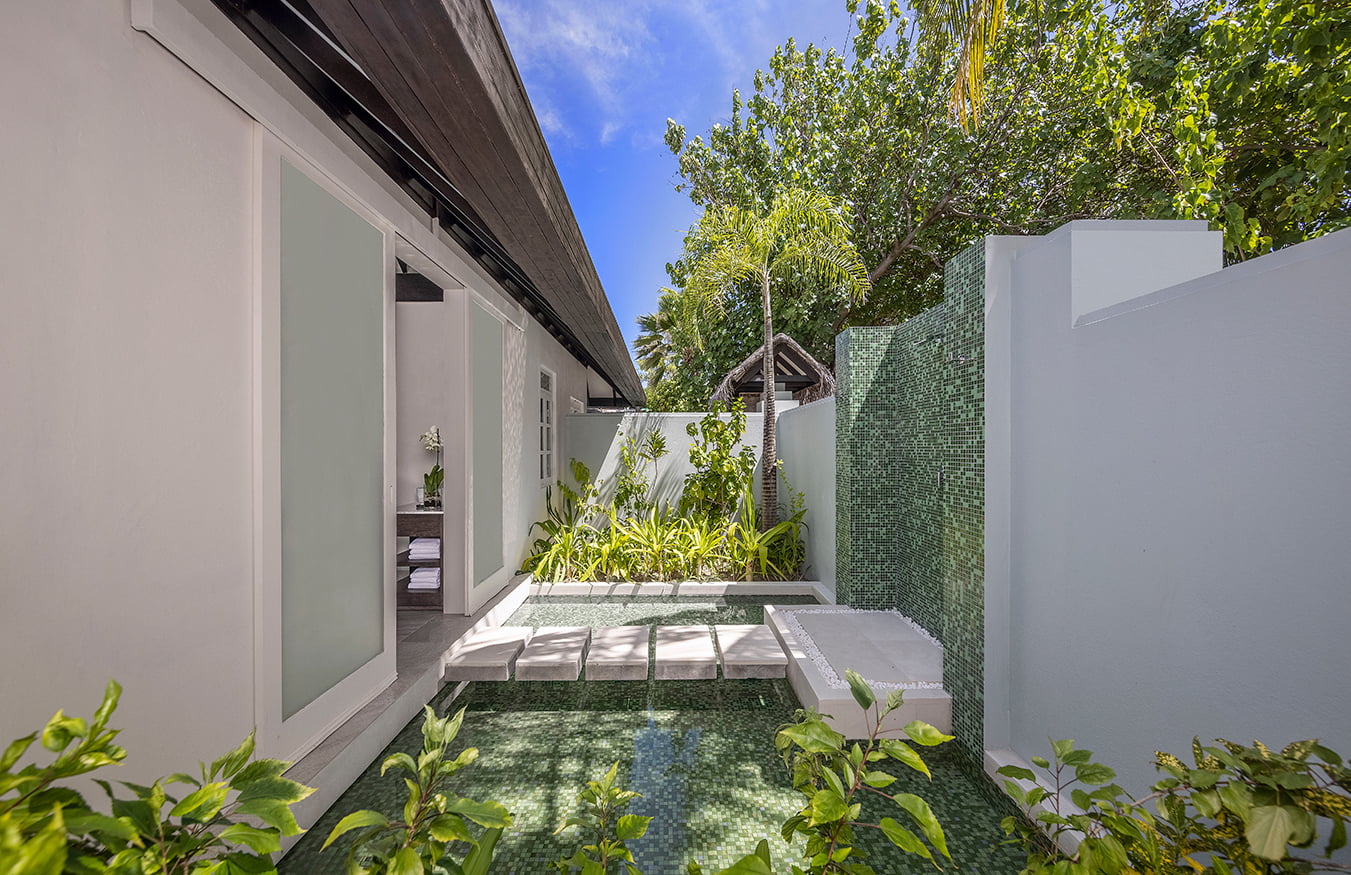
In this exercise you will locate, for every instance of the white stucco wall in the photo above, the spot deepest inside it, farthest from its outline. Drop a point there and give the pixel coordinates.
(127, 523)
(1177, 500)
(125, 394)
(807, 448)
(594, 438)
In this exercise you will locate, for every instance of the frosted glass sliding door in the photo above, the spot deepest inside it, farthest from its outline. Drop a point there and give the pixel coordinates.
(486, 417)
(332, 464)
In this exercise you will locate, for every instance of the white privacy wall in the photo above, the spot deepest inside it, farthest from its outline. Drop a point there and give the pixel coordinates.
(807, 448)
(1177, 500)
(595, 438)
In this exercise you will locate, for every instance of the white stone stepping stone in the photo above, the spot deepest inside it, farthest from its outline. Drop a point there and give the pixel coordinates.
(750, 652)
(486, 655)
(618, 653)
(685, 653)
(555, 653)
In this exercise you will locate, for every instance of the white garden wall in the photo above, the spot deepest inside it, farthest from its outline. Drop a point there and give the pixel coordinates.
(807, 448)
(595, 438)
(1174, 495)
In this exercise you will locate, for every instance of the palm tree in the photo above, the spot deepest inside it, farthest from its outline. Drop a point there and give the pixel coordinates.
(802, 238)
(656, 344)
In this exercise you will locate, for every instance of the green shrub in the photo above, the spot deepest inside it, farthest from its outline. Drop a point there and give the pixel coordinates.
(48, 828)
(1236, 810)
(832, 774)
(432, 822)
(722, 466)
(605, 829)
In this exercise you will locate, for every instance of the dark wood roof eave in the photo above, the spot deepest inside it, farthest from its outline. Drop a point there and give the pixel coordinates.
(454, 97)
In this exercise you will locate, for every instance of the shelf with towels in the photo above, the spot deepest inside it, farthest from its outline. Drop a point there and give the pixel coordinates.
(413, 592)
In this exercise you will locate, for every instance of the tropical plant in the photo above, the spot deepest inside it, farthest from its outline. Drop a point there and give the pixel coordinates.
(605, 829)
(722, 464)
(1238, 809)
(833, 774)
(773, 553)
(801, 239)
(631, 477)
(48, 828)
(657, 544)
(432, 821)
(969, 27)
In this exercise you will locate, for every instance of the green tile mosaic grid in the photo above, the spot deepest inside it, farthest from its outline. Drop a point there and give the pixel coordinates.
(910, 426)
(700, 752)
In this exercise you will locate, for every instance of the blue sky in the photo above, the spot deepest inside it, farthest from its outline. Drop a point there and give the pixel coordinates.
(604, 75)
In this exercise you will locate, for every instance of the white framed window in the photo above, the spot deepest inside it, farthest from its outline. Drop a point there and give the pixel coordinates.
(576, 406)
(546, 426)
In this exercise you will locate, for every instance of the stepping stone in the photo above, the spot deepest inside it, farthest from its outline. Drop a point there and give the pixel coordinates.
(555, 653)
(685, 653)
(486, 655)
(618, 653)
(750, 652)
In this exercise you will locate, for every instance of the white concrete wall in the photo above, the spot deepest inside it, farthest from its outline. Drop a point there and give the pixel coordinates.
(126, 386)
(125, 389)
(807, 448)
(1177, 503)
(594, 438)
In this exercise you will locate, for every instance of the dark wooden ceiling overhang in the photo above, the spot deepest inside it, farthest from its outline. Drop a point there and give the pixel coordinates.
(428, 89)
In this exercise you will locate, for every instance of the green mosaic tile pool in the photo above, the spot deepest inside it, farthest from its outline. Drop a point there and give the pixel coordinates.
(597, 611)
(700, 752)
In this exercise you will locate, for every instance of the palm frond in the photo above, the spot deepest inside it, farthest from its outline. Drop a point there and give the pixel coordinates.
(970, 26)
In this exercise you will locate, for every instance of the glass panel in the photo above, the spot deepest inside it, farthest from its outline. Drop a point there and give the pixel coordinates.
(332, 440)
(487, 431)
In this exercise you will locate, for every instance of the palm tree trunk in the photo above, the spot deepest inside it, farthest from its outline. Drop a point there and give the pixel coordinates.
(769, 472)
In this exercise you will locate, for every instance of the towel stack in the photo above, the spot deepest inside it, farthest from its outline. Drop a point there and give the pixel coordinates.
(425, 578)
(424, 549)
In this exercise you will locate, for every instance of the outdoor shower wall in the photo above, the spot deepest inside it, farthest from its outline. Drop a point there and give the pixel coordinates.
(1178, 495)
(910, 478)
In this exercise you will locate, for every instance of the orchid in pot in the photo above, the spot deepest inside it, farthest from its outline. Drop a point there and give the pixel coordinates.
(433, 480)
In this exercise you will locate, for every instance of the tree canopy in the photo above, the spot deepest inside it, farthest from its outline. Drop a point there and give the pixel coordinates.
(1233, 111)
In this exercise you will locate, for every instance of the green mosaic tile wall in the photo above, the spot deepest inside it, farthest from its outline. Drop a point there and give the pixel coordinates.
(910, 469)
(963, 504)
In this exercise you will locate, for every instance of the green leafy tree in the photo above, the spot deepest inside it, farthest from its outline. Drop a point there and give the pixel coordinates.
(1243, 108)
(1232, 111)
(801, 237)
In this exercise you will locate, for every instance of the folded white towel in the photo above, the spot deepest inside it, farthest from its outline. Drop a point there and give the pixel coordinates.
(425, 578)
(425, 548)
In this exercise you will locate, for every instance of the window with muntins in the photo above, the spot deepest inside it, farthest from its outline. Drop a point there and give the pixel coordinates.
(546, 426)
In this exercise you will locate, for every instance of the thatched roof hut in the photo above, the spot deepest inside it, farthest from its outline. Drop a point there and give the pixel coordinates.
(797, 369)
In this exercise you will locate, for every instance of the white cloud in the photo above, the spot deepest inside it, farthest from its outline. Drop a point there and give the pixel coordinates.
(615, 58)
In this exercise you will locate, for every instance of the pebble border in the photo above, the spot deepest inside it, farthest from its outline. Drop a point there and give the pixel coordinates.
(822, 665)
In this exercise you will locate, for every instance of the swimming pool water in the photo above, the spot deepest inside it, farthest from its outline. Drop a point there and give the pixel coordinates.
(700, 752)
